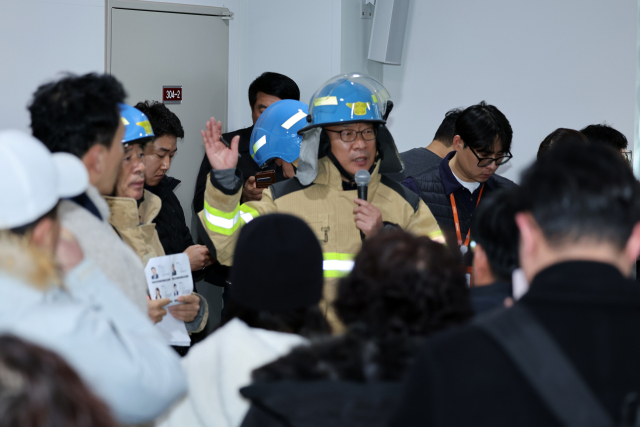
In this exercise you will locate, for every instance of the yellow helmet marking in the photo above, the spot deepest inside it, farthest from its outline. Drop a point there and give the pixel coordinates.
(325, 100)
(359, 108)
(146, 125)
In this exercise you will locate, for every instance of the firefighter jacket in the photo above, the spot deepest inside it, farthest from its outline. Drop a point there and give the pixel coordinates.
(134, 224)
(325, 207)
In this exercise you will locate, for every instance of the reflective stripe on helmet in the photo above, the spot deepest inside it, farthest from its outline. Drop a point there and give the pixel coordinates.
(259, 143)
(227, 222)
(336, 264)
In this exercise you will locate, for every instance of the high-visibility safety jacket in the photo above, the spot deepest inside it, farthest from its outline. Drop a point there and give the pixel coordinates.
(326, 208)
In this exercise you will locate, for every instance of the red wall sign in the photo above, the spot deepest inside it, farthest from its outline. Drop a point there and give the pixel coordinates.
(172, 94)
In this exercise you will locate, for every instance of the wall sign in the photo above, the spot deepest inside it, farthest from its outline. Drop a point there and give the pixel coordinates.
(172, 94)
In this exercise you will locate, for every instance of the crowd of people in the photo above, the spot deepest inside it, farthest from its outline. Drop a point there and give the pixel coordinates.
(361, 286)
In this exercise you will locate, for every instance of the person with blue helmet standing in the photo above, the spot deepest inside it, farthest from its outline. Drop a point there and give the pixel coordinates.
(133, 210)
(345, 133)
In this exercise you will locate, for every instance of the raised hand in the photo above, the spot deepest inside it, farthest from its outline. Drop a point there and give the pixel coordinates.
(218, 154)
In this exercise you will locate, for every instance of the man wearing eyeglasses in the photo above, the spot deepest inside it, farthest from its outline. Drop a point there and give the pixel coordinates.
(454, 189)
(345, 134)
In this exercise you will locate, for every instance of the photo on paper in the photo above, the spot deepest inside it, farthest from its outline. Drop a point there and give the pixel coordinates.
(169, 277)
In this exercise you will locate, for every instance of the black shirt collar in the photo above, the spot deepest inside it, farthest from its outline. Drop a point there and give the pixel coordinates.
(583, 280)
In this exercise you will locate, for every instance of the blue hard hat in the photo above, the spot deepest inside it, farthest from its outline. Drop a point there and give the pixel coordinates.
(275, 134)
(348, 98)
(137, 128)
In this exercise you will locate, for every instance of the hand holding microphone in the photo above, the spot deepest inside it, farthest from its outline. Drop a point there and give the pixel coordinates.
(367, 217)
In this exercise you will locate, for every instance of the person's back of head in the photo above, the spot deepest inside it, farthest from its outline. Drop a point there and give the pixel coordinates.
(583, 198)
(604, 134)
(482, 125)
(496, 234)
(39, 389)
(403, 285)
(274, 84)
(77, 112)
(447, 129)
(277, 277)
(561, 136)
(163, 121)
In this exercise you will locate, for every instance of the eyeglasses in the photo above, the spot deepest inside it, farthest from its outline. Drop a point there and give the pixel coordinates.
(483, 162)
(628, 155)
(349, 135)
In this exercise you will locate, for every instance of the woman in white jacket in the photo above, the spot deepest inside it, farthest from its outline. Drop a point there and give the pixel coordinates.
(276, 286)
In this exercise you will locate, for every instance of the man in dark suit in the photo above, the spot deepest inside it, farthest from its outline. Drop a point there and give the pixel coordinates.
(579, 224)
(263, 91)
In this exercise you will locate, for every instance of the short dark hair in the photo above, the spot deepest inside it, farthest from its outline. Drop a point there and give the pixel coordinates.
(306, 321)
(77, 112)
(274, 84)
(482, 125)
(561, 136)
(403, 284)
(605, 135)
(582, 192)
(447, 129)
(163, 121)
(38, 389)
(495, 229)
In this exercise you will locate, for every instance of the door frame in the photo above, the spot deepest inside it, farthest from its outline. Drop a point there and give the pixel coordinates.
(153, 7)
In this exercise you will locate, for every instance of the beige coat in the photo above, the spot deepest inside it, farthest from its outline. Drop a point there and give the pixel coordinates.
(135, 225)
(327, 209)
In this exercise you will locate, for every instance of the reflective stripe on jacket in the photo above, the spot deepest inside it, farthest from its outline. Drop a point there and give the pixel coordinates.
(326, 208)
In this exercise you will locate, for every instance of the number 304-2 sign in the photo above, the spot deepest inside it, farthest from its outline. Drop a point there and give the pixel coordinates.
(172, 94)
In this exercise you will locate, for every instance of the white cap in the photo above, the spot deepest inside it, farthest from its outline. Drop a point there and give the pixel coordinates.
(32, 180)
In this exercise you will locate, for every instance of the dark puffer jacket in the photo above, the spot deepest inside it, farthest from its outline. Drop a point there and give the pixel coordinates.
(170, 222)
(174, 234)
(433, 194)
(351, 380)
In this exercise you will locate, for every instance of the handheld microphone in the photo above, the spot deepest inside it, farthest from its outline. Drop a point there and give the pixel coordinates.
(362, 179)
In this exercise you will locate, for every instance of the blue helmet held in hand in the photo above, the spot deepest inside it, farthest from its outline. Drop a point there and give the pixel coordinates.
(275, 134)
(137, 128)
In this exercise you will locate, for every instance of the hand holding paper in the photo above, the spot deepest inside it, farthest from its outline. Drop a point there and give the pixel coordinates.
(187, 311)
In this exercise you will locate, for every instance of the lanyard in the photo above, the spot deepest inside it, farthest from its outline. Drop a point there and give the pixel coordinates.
(457, 221)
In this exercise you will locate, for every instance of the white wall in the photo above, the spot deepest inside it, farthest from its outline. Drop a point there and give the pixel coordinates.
(354, 47)
(545, 64)
(38, 41)
(293, 37)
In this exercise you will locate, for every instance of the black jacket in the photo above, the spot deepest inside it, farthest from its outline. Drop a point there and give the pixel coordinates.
(463, 378)
(349, 380)
(246, 165)
(432, 192)
(416, 161)
(170, 222)
(320, 404)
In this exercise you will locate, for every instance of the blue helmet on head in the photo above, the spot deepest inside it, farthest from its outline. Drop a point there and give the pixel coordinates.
(275, 134)
(348, 98)
(137, 128)
(344, 99)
